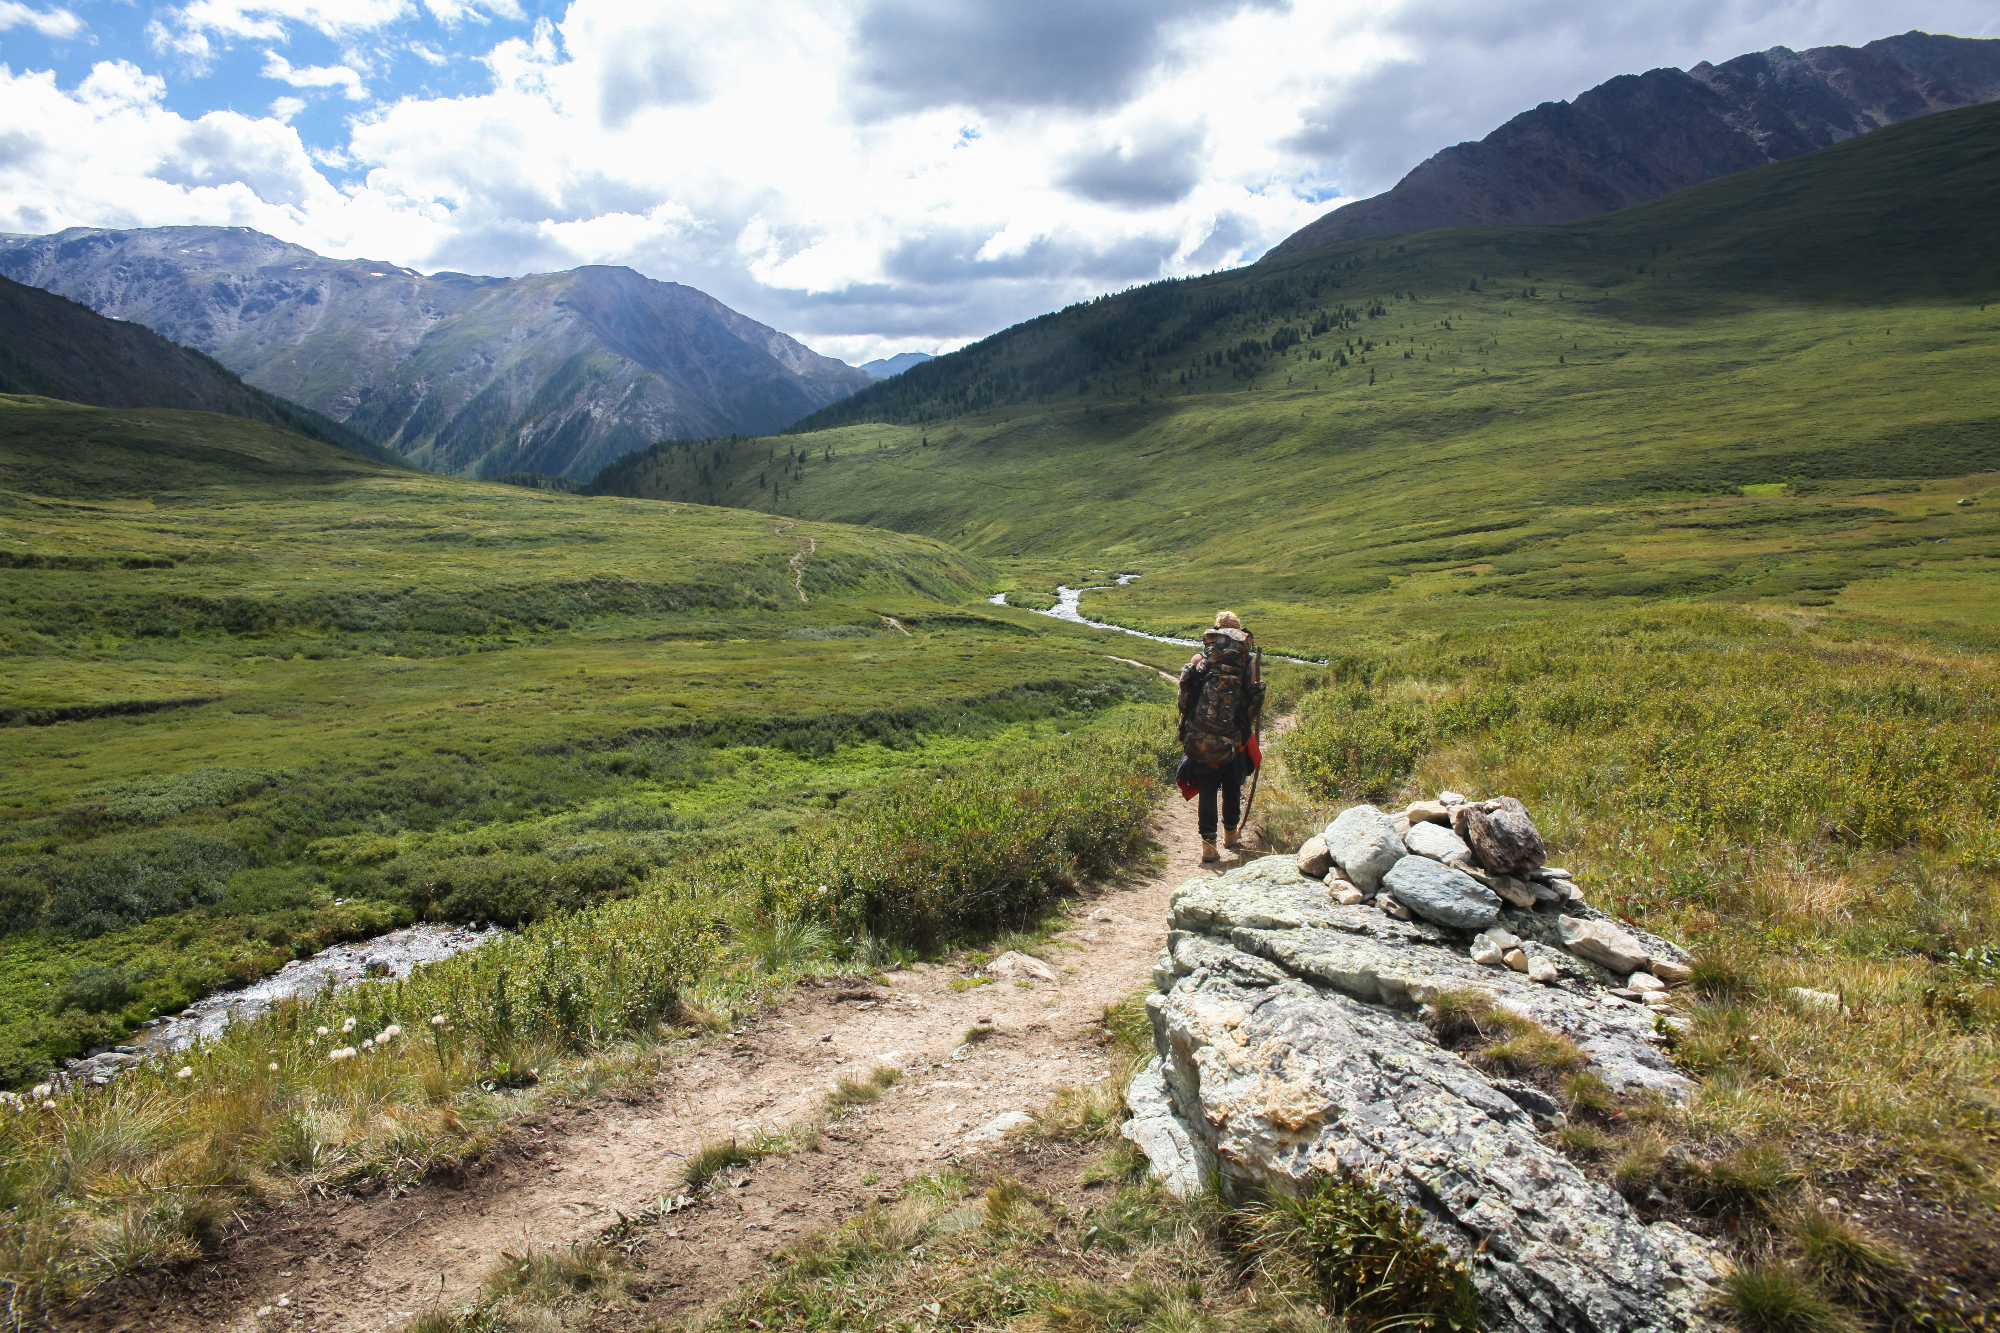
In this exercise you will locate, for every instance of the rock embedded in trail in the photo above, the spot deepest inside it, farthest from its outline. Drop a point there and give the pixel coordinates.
(1364, 845)
(1501, 835)
(1439, 894)
(1290, 1044)
(1021, 966)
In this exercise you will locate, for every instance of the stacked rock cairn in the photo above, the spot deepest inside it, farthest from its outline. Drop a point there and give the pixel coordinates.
(1453, 862)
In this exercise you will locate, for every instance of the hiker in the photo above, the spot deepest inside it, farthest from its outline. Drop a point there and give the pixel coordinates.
(1222, 694)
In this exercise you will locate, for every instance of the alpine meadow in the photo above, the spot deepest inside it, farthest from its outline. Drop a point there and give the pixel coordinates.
(1679, 524)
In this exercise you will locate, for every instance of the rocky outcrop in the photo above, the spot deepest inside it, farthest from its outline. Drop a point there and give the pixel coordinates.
(1290, 1038)
(1638, 137)
(558, 373)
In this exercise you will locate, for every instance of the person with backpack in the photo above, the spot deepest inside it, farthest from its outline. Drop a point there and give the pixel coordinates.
(1221, 699)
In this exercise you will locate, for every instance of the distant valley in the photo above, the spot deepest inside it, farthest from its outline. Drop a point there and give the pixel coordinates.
(556, 373)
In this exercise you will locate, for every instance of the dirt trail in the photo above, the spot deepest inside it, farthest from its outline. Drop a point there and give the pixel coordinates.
(371, 1264)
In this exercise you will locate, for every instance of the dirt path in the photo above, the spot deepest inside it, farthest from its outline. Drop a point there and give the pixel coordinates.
(371, 1264)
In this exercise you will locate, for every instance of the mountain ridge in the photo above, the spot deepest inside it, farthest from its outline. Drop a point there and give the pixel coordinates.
(888, 367)
(555, 373)
(1640, 136)
(53, 347)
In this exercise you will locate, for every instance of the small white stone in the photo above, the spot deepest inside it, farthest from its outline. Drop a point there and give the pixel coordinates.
(1450, 798)
(1517, 960)
(1487, 954)
(999, 1127)
(1544, 971)
(1656, 999)
(1816, 999)
(1643, 982)
(1346, 894)
(1506, 939)
(1393, 908)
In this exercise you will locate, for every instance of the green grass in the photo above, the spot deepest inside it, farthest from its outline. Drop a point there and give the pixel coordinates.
(261, 695)
(297, 1102)
(1581, 429)
(1802, 806)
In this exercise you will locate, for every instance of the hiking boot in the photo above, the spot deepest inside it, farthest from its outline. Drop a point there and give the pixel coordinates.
(1229, 839)
(1208, 852)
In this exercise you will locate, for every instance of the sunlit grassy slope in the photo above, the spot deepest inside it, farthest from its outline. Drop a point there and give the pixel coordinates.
(1772, 388)
(257, 693)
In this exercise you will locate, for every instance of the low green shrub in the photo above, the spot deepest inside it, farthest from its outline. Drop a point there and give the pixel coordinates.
(300, 1092)
(1366, 1255)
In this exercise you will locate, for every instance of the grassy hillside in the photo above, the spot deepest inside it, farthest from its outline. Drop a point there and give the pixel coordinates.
(54, 347)
(1770, 389)
(257, 694)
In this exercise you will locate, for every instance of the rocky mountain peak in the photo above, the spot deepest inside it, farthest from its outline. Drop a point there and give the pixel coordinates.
(1640, 136)
(557, 373)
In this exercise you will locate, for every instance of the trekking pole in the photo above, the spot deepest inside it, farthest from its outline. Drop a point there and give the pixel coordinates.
(1256, 721)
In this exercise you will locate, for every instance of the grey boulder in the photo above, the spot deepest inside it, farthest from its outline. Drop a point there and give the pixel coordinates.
(1435, 841)
(1364, 844)
(1288, 1048)
(1440, 894)
(1603, 943)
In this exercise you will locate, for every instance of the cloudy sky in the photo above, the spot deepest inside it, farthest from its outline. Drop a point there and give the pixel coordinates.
(869, 175)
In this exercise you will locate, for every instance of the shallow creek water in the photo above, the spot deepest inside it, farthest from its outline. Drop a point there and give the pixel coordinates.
(391, 955)
(1067, 607)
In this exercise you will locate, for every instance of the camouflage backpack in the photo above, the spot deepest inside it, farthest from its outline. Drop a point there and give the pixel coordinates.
(1213, 729)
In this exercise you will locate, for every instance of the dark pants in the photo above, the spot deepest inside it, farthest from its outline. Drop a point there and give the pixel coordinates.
(1209, 781)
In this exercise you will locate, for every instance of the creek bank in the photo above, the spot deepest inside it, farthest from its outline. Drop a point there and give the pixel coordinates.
(393, 955)
(1289, 1020)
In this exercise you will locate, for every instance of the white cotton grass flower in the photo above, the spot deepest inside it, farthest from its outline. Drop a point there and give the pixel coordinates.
(273, 1066)
(343, 1053)
(319, 1032)
(437, 1020)
(348, 1026)
(367, 1043)
(389, 1033)
(40, 1092)
(48, 1106)
(185, 1071)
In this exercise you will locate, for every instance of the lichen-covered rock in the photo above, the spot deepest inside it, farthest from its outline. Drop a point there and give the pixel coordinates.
(1180, 1161)
(1435, 841)
(1602, 942)
(1440, 894)
(1364, 845)
(1289, 1044)
(1315, 861)
(1501, 835)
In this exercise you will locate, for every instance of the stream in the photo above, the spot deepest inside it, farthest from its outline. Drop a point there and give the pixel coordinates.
(1067, 604)
(393, 955)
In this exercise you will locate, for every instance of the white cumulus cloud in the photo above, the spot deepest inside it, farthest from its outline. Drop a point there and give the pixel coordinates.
(870, 175)
(56, 23)
(316, 76)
